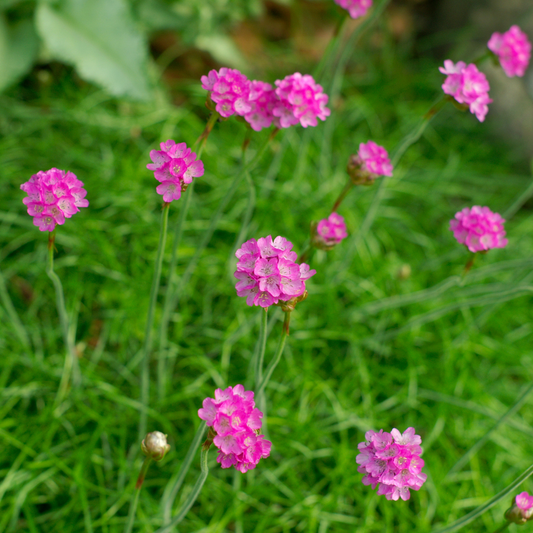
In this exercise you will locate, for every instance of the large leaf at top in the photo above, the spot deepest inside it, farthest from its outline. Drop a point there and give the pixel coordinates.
(18, 49)
(100, 39)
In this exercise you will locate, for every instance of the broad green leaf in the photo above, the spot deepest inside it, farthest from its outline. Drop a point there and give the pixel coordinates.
(100, 39)
(18, 49)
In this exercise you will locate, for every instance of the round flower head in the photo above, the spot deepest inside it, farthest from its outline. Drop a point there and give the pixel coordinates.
(479, 229)
(236, 421)
(392, 461)
(370, 162)
(330, 231)
(513, 50)
(229, 89)
(262, 100)
(356, 8)
(301, 100)
(468, 86)
(53, 195)
(521, 510)
(155, 446)
(174, 166)
(267, 272)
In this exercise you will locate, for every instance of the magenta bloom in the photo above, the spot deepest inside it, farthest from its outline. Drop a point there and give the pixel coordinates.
(267, 272)
(513, 50)
(301, 100)
(262, 99)
(331, 231)
(393, 461)
(374, 159)
(229, 89)
(468, 86)
(479, 229)
(174, 166)
(356, 8)
(53, 195)
(524, 501)
(235, 419)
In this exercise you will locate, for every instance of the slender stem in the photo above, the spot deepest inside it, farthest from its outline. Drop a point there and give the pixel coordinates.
(135, 501)
(274, 363)
(147, 347)
(503, 528)
(170, 493)
(342, 195)
(262, 346)
(469, 264)
(193, 494)
(71, 361)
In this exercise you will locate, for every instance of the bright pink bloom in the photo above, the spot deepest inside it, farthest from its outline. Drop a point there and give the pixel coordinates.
(513, 50)
(479, 229)
(267, 272)
(235, 419)
(524, 501)
(331, 231)
(393, 461)
(374, 159)
(468, 86)
(301, 100)
(53, 195)
(356, 8)
(174, 166)
(262, 99)
(230, 90)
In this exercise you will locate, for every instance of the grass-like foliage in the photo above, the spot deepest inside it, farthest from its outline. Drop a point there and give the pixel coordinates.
(391, 334)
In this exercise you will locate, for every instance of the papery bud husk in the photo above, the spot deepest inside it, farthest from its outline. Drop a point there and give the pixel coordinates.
(155, 445)
(518, 516)
(356, 172)
(291, 304)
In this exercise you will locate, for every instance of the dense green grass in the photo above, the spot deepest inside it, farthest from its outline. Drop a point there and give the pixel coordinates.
(369, 348)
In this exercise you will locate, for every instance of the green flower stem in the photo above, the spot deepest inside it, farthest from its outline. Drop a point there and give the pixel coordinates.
(71, 361)
(175, 292)
(172, 491)
(458, 524)
(145, 372)
(342, 195)
(192, 496)
(262, 346)
(469, 264)
(135, 501)
(274, 363)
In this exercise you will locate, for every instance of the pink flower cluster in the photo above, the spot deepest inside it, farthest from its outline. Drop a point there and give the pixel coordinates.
(468, 86)
(174, 166)
(236, 420)
(267, 272)
(53, 195)
(296, 99)
(392, 460)
(331, 230)
(522, 509)
(356, 8)
(478, 228)
(513, 50)
(374, 159)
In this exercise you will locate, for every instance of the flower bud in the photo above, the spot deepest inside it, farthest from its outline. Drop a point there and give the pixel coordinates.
(521, 510)
(155, 445)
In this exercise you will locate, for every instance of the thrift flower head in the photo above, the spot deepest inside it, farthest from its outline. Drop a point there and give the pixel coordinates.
(356, 8)
(330, 231)
(479, 229)
(301, 100)
(155, 446)
(468, 86)
(229, 89)
(235, 419)
(393, 461)
(370, 162)
(513, 50)
(53, 195)
(522, 509)
(262, 100)
(267, 272)
(174, 166)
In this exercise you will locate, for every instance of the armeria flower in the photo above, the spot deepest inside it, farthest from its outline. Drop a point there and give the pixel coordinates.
(356, 8)
(262, 99)
(479, 229)
(513, 50)
(468, 86)
(301, 100)
(53, 195)
(229, 89)
(237, 422)
(392, 461)
(330, 231)
(174, 166)
(521, 510)
(370, 162)
(267, 272)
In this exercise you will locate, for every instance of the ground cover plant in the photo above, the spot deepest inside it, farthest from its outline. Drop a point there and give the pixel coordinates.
(400, 329)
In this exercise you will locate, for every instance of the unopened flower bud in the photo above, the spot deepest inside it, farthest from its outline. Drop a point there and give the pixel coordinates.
(521, 510)
(155, 445)
(370, 162)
